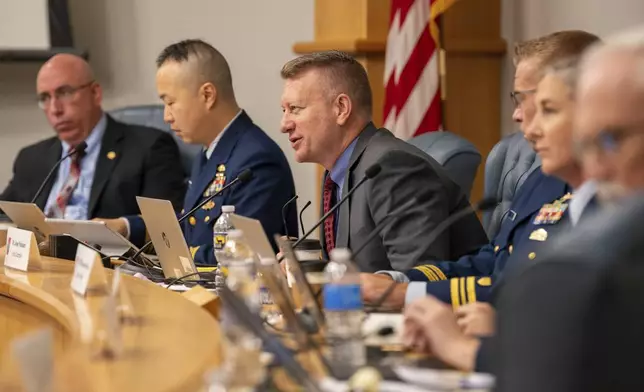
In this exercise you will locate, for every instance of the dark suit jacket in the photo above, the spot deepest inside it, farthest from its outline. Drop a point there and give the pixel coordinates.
(511, 245)
(574, 321)
(243, 146)
(145, 164)
(407, 173)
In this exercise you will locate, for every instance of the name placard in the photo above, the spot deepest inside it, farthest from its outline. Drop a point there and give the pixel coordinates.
(88, 271)
(21, 250)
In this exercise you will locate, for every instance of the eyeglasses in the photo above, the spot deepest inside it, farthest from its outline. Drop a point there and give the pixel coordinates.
(518, 96)
(63, 94)
(607, 140)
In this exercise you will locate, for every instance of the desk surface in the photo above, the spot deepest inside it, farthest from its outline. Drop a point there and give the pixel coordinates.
(169, 348)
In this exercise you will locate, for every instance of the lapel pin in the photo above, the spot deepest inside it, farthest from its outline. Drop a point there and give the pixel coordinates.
(111, 155)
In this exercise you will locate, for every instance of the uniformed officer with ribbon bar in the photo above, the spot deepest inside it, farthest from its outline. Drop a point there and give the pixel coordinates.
(471, 277)
(194, 81)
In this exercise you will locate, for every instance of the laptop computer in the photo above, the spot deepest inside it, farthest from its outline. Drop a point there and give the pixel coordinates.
(94, 233)
(28, 216)
(167, 237)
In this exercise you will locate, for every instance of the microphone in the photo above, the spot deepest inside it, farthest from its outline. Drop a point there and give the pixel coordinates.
(79, 149)
(371, 172)
(308, 203)
(291, 200)
(482, 205)
(243, 177)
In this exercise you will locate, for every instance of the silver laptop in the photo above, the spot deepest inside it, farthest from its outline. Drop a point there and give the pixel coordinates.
(28, 216)
(167, 237)
(94, 233)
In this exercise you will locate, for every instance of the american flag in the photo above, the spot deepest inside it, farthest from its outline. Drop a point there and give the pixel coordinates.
(412, 84)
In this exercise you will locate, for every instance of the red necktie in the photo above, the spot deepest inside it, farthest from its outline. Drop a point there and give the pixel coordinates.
(329, 223)
(58, 209)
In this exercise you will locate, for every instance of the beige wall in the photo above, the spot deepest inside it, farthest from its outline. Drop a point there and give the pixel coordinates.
(524, 19)
(124, 38)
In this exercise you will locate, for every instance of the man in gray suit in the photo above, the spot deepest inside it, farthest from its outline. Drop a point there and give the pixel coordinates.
(327, 107)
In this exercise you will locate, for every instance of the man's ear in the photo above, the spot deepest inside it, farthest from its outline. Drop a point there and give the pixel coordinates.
(343, 108)
(208, 93)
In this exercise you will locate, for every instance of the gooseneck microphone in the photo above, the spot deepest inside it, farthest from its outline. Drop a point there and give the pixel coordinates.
(284, 207)
(370, 173)
(482, 205)
(79, 149)
(308, 203)
(243, 177)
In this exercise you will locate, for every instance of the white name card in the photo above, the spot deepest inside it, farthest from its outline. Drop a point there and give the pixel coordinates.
(21, 249)
(88, 270)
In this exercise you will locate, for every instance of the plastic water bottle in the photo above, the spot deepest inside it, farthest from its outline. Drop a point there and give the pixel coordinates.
(243, 352)
(219, 237)
(239, 260)
(344, 313)
(270, 310)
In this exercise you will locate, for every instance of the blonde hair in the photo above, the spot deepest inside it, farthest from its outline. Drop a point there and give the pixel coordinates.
(554, 47)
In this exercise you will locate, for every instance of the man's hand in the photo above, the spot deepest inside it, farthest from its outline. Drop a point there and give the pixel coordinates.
(476, 319)
(118, 225)
(431, 326)
(375, 285)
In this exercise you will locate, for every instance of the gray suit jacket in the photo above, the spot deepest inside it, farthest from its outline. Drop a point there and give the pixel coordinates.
(406, 173)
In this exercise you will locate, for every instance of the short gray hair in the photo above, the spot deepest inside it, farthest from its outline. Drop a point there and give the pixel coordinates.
(630, 40)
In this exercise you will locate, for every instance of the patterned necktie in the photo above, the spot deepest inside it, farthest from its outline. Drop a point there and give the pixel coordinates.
(329, 223)
(58, 209)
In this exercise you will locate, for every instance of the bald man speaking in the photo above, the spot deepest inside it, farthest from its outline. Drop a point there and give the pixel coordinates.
(119, 163)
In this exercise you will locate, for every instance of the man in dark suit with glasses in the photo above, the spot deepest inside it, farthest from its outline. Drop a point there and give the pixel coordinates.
(120, 162)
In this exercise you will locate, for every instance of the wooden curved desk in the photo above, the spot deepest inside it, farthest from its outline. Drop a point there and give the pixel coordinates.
(173, 344)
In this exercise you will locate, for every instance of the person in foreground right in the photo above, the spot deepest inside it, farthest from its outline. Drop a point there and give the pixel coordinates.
(585, 332)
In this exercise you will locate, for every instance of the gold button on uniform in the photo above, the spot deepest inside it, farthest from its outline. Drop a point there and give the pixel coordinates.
(532, 255)
(192, 221)
(496, 248)
(206, 219)
(511, 249)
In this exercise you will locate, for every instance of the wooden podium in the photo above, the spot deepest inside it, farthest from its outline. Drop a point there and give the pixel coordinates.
(471, 37)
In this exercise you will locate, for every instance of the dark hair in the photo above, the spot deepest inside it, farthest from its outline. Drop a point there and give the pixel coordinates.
(554, 47)
(343, 73)
(211, 65)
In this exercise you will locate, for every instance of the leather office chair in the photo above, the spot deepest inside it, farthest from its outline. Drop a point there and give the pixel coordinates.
(508, 165)
(457, 155)
(152, 116)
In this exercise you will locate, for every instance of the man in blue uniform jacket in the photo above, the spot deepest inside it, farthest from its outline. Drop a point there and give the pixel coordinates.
(195, 83)
(535, 214)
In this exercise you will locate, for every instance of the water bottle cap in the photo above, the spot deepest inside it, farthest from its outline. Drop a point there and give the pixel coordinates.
(340, 254)
(235, 234)
(227, 208)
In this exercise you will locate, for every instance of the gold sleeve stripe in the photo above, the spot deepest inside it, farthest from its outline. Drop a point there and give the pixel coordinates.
(432, 273)
(471, 291)
(420, 268)
(193, 250)
(453, 290)
(461, 285)
(438, 272)
(427, 272)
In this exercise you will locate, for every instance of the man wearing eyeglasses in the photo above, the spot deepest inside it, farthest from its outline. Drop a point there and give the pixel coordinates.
(470, 280)
(120, 162)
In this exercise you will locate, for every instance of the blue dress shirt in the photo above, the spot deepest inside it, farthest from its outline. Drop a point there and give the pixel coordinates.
(339, 172)
(79, 201)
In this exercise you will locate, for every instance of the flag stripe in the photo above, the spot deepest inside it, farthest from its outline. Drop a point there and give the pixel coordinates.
(412, 103)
